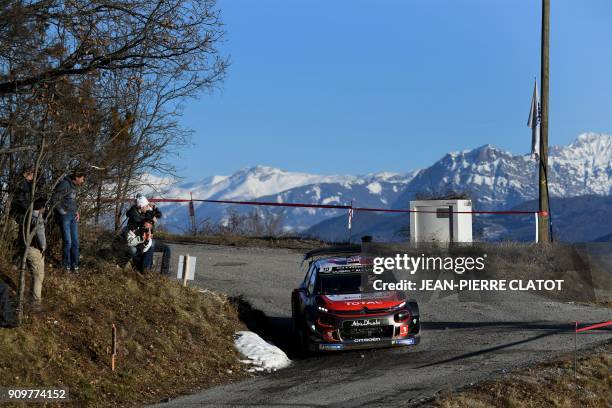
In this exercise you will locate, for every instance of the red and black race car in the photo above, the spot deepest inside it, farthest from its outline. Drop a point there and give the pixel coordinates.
(337, 308)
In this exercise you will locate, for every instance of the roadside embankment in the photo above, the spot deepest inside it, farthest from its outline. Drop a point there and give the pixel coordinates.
(171, 340)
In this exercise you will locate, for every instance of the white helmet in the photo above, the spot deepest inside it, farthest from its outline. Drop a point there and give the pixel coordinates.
(141, 201)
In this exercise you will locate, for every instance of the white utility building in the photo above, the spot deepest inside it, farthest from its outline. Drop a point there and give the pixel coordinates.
(441, 221)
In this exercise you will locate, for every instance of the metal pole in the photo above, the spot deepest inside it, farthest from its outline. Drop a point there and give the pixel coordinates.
(350, 222)
(543, 229)
(537, 221)
(192, 215)
(575, 353)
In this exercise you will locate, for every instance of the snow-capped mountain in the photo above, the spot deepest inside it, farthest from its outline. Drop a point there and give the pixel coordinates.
(582, 167)
(496, 179)
(493, 178)
(263, 183)
(376, 190)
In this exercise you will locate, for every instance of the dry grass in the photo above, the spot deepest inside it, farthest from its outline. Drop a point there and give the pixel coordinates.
(288, 242)
(172, 340)
(549, 384)
(584, 281)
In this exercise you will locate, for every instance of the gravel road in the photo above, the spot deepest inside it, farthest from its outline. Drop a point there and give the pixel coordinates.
(461, 342)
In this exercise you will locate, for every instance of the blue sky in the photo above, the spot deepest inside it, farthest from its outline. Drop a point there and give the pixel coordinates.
(355, 86)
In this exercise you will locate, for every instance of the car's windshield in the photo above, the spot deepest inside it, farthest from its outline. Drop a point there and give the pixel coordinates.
(345, 283)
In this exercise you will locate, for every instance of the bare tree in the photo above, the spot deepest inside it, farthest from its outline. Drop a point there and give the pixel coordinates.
(119, 71)
(100, 85)
(45, 40)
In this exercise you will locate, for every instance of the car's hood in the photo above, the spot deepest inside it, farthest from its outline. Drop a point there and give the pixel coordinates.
(360, 301)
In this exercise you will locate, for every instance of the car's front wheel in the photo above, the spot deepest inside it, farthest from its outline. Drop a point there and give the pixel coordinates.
(304, 345)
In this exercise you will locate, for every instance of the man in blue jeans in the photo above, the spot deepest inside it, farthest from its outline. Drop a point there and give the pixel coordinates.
(67, 217)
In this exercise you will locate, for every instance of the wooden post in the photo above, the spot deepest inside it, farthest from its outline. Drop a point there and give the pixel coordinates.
(185, 269)
(114, 346)
(544, 216)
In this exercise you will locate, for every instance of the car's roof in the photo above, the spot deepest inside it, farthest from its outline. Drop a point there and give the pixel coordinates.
(342, 262)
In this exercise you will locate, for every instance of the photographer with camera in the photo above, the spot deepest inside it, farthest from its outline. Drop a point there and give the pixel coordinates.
(140, 241)
(141, 218)
(141, 211)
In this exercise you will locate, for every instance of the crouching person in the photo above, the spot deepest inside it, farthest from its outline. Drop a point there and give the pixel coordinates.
(141, 213)
(165, 251)
(34, 253)
(140, 241)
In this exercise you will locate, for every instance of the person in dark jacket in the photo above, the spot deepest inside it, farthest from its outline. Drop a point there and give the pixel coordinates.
(139, 212)
(142, 216)
(21, 201)
(6, 308)
(67, 217)
(23, 194)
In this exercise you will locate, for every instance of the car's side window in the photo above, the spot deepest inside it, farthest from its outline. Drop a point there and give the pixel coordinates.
(305, 270)
(311, 283)
(308, 274)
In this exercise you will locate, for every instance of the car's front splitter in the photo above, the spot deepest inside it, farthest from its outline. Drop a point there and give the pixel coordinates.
(354, 345)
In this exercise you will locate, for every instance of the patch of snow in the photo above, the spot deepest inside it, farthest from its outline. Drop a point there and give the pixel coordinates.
(262, 355)
(332, 199)
(374, 188)
(317, 192)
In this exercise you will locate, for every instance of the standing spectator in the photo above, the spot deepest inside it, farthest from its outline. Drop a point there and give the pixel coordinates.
(21, 201)
(137, 215)
(67, 217)
(23, 195)
(35, 251)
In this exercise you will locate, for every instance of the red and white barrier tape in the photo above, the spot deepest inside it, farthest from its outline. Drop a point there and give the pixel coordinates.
(593, 326)
(337, 207)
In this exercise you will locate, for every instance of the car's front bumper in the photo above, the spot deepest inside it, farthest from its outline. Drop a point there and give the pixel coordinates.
(410, 340)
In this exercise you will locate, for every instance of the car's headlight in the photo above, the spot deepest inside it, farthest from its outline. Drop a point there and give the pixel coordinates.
(401, 316)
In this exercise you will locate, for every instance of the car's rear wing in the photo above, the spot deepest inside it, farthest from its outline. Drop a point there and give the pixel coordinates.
(349, 249)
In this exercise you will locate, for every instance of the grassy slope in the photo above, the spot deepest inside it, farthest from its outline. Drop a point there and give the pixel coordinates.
(549, 384)
(172, 340)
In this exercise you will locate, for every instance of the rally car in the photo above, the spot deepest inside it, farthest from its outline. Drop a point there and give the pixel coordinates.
(337, 308)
